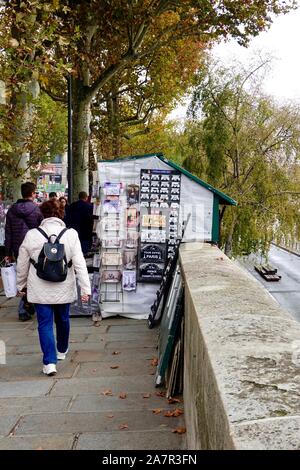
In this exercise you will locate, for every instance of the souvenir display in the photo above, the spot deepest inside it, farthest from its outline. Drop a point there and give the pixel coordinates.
(110, 275)
(111, 225)
(112, 189)
(151, 272)
(158, 236)
(129, 259)
(159, 206)
(131, 239)
(131, 217)
(132, 194)
(129, 280)
(153, 220)
(96, 260)
(112, 242)
(111, 259)
(111, 206)
(153, 252)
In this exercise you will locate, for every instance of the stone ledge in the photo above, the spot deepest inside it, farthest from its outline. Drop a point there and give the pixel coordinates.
(241, 361)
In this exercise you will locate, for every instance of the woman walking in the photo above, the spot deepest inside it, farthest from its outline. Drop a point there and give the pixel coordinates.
(52, 299)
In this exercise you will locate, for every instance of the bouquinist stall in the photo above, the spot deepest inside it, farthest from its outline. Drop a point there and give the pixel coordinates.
(144, 202)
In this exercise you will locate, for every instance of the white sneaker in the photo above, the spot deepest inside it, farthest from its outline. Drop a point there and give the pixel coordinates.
(49, 369)
(61, 356)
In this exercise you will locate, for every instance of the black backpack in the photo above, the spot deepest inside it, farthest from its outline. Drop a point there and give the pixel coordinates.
(52, 264)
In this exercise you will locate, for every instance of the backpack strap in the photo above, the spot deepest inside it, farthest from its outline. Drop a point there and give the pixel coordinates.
(60, 234)
(46, 236)
(69, 264)
(43, 233)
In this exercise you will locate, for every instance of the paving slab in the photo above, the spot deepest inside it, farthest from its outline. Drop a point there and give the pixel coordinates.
(133, 401)
(140, 327)
(65, 369)
(9, 325)
(45, 442)
(32, 388)
(95, 422)
(113, 368)
(92, 386)
(144, 337)
(7, 423)
(123, 355)
(137, 344)
(148, 440)
(21, 406)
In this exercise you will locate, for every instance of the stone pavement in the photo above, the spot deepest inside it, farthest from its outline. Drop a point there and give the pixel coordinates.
(102, 397)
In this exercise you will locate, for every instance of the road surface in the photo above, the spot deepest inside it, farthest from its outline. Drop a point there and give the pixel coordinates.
(287, 290)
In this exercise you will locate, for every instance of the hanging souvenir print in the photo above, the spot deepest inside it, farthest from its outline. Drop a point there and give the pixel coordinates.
(129, 280)
(154, 220)
(156, 236)
(112, 242)
(96, 260)
(129, 259)
(111, 259)
(111, 206)
(112, 189)
(111, 276)
(111, 224)
(131, 217)
(132, 194)
(132, 239)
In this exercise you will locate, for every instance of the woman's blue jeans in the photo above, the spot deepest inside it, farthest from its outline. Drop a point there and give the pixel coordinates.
(45, 314)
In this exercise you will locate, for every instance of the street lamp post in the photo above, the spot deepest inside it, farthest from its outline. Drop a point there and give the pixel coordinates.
(70, 147)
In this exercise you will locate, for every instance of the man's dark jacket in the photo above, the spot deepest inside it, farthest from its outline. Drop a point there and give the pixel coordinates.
(79, 216)
(21, 217)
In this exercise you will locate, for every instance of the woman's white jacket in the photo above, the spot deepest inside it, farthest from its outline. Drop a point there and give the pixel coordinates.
(45, 292)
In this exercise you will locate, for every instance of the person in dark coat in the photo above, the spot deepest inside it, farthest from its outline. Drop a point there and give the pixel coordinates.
(21, 217)
(80, 217)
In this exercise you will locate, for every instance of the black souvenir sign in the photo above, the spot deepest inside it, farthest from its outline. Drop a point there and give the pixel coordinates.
(150, 272)
(153, 253)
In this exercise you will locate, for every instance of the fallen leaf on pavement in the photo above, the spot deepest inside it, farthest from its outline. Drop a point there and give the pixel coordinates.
(160, 394)
(157, 411)
(179, 430)
(147, 395)
(114, 367)
(107, 392)
(122, 395)
(123, 426)
(115, 353)
(154, 361)
(172, 400)
(174, 413)
(94, 370)
(110, 416)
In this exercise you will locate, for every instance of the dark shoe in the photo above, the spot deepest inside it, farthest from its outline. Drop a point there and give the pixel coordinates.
(24, 317)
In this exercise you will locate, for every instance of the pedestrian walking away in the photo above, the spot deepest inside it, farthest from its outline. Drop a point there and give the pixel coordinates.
(21, 217)
(50, 242)
(80, 217)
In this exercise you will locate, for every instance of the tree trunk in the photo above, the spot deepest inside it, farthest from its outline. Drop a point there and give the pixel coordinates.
(23, 108)
(81, 118)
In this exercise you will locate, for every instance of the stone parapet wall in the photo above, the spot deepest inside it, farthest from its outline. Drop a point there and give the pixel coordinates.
(242, 358)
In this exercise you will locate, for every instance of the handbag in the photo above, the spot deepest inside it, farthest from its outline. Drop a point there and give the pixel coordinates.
(9, 279)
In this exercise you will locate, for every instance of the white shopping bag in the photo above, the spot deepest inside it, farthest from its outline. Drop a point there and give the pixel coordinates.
(9, 279)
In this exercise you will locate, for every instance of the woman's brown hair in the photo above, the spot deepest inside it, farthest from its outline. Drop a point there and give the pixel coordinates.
(52, 208)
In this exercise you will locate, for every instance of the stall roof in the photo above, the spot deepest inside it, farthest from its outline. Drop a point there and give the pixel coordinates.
(223, 198)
